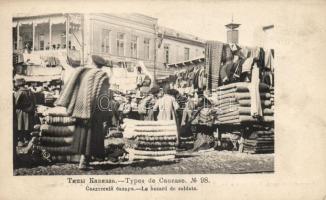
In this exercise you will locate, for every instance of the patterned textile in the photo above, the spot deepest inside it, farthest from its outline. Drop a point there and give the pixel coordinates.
(151, 139)
(51, 130)
(259, 141)
(59, 120)
(213, 62)
(82, 91)
(154, 149)
(56, 141)
(56, 111)
(154, 138)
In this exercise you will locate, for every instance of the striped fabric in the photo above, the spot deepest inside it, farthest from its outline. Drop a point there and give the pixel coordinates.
(213, 57)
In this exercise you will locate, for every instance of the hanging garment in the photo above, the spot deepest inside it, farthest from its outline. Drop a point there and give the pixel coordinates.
(213, 57)
(269, 59)
(256, 109)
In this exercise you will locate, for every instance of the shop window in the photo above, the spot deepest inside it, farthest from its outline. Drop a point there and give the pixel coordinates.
(186, 53)
(146, 48)
(166, 53)
(133, 46)
(120, 44)
(41, 42)
(105, 41)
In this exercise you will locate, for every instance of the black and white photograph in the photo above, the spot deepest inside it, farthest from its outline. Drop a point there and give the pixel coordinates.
(104, 93)
(152, 99)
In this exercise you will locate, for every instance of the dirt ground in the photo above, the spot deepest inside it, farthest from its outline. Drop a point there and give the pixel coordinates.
(211, 162)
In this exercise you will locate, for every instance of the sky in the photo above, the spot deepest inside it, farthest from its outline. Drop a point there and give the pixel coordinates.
(207, 20)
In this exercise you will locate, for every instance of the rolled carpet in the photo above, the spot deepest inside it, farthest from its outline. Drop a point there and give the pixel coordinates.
(59, 120)
(151, 153)
(156, 144)
(56, 141)
(66, 150)
(155, 149)
(57, 131)
(158, 158)
(243, 87)
(56, 111)
(244, 95)
(153, 138)
(244, 119)
(66, 158)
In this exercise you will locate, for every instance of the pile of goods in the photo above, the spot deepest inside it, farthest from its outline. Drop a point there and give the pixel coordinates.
(259, 141)
(114, 145)
(272, 97)
(186, 143)
(234, 104)
(56, 135)
(151, 140)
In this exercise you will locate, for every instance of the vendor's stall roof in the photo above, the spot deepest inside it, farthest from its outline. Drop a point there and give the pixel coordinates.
(37, 78)
(187, 62)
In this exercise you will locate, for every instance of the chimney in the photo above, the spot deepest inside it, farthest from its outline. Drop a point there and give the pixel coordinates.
(232, 33)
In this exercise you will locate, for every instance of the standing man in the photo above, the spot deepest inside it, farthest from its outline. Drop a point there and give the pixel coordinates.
(25, 108)
(166, 106)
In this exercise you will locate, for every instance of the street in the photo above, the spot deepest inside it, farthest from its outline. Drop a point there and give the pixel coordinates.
(210, 162)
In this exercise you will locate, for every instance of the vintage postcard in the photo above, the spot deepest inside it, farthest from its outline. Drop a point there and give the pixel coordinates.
(195, 99)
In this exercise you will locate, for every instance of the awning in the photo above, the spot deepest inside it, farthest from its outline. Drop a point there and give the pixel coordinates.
(37, 78)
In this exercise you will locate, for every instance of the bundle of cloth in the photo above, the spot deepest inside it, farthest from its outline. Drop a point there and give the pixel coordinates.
(240, 103)
(76, 127)
(259, 141)
(152, 140)
(56, 135)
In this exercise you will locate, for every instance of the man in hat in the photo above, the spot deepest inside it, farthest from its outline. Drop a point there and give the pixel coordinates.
(166, 105)
(25, 108)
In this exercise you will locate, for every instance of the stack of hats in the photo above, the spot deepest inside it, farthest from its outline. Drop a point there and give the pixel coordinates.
(233, 104)
(56, 135)
(259, 141)
(153, 140)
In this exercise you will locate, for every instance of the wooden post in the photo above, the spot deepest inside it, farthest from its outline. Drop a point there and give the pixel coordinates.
(83, 38)
(33, 40)
(50, 34)
(18, 36)
(67, 32)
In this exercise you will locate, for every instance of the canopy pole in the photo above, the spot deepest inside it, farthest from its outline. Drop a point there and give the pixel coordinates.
(33, 41)
(18, 39)
(50, 34)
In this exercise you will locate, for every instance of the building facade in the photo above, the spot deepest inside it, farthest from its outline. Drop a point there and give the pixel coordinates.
(122, 37)
(177, 46)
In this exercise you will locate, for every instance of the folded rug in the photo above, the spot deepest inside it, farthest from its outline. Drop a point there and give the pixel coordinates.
(56, 141)
(59, 131)
(59, 120)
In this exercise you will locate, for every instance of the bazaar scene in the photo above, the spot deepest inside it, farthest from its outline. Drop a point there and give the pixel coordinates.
(94, 96)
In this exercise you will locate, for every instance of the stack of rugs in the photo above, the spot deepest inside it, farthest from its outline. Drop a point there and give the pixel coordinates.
(259, 141)
(152, 140)
(186, 142)
(114, 145)
(56, 135)
(272, 97)
(233, 104)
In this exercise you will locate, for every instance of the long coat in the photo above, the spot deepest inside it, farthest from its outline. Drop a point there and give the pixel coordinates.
(166, 106)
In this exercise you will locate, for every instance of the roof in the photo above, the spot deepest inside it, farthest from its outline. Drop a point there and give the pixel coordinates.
(171, 33)
(187, 62)
(232, 25)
